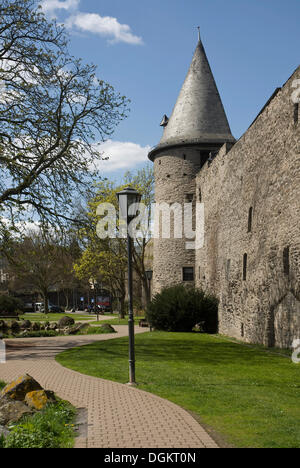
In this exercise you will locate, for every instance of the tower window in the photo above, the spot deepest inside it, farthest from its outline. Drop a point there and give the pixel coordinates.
(188, 274)
(250, 216)
(189, 197)
(286, 261)
(184, 156)
(228, 263)
(204, 155)
(200, 195)
(245, 265)
(296, 113)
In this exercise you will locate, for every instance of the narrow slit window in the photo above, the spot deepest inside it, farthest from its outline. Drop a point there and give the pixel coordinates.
(286, 261)
(189, 197)
(296, 113)
(245, 265)
(228, 263)
(250, 217)
(200, 195)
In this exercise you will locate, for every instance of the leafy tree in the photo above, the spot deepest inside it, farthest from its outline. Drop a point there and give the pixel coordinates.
(52, 109)
(106, 259)
(40, 262)
(9, 305)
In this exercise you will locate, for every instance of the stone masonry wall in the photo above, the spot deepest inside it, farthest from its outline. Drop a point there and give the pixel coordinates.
(175, 179)
(260, 300)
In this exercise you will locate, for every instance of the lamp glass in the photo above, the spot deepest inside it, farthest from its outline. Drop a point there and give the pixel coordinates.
(149, 274)
(128, 200)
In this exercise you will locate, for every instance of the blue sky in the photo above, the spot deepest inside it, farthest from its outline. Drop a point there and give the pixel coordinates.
(144, 49)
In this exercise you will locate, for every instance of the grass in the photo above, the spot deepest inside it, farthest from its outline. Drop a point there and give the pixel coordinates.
(247, 394)
(51, 428)
(118, 321)
(54, 317)
(94, 331)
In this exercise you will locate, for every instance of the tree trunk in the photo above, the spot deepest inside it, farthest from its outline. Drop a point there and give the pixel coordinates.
(122, 311)
(146, 286)
(45, 299)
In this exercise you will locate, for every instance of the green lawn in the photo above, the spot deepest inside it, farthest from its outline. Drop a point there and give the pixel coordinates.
(248, 395)
(118, 321)
(55, 317)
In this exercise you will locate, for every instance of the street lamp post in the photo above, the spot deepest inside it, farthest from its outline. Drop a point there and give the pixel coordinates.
(128, 203)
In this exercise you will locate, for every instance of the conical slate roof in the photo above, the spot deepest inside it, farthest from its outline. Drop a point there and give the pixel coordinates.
(199, 115)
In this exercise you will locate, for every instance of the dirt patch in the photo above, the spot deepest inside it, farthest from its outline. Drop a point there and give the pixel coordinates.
(213, 434)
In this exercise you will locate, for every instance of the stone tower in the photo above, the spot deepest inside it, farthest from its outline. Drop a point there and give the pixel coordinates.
(196, 130)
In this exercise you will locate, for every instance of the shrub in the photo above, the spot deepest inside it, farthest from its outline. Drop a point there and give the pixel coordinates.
(103, 329)
(10, 305)
(50, 428)
(179, 309)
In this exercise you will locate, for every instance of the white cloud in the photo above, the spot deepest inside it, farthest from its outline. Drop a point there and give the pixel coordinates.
(105, 26)
(122, 155)
(49, 6)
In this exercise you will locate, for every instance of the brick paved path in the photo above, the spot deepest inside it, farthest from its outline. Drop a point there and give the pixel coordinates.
(119, 416)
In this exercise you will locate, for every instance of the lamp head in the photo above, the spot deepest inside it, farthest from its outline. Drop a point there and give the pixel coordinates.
(129, 198)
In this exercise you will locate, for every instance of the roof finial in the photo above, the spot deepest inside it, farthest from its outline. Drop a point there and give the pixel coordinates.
(199, 36)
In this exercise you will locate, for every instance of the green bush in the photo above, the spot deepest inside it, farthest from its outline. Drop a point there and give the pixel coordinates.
(179, 309)
(10, 305)
(51, 428)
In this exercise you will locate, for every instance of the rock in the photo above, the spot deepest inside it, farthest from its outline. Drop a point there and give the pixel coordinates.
(199, 326)
(51, 396)
(53, 326)
(12, 411)
(36, 400)
(66, 322)
(3, 325)
(108, 328)
(24, 333)
(78, 328)
(15, 327)
(18, 389)
(36, 326)
(25, 325)
(3, 431)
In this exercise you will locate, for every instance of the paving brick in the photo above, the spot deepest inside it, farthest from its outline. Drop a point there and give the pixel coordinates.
(118, 415)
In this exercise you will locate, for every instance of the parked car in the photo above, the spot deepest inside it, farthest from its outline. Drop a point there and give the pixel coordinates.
(29, 308)
(56, 309)
(53, 309)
